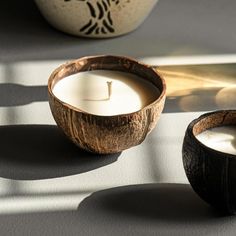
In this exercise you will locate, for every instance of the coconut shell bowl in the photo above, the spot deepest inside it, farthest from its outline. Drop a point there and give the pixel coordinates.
(106, 134)
(211, 173)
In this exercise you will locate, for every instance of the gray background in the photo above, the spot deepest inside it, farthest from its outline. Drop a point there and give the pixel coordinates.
(50, 187)
(174, 28)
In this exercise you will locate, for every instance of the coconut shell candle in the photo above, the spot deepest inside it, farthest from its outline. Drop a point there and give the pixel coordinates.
(221, 138)
(106, 92)
(106, 104)
(209, 158)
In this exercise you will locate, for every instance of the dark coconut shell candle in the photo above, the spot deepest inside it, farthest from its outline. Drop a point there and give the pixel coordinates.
(211, 173)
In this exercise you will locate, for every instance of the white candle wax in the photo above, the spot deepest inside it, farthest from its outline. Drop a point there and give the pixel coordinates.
(221, 138)
(105, 92)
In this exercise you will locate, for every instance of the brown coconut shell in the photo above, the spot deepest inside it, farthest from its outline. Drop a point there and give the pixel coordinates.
(106, 134)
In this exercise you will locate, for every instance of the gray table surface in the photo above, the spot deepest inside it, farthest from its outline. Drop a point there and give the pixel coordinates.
(50, 187)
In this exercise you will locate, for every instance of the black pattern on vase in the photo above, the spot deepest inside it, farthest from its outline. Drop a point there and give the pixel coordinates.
(100, 21)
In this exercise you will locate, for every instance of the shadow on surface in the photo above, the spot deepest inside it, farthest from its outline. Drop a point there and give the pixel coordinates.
(42, 151)
(152, 209)
(169, 202)
(17, 95)
(162, 209)
(25, 34)
(23, 20)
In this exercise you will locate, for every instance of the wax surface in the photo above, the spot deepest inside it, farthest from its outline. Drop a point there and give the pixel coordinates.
(88, 91)
(220, 138)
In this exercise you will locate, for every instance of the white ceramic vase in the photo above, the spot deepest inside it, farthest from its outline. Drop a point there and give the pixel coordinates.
(96, 18)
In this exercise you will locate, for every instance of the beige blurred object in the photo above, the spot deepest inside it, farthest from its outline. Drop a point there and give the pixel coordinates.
(95, 18)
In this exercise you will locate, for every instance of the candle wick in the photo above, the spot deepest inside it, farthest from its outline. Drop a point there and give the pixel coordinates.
(109, 87)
